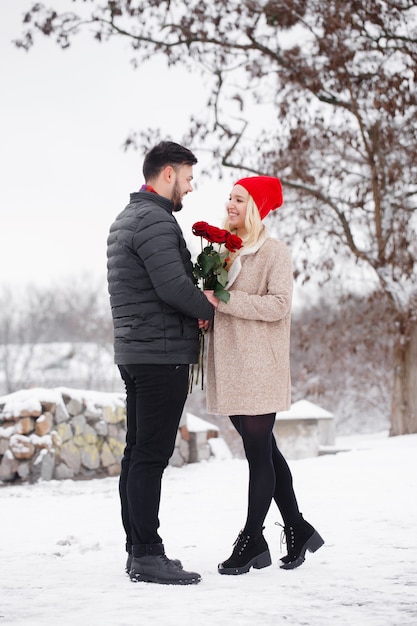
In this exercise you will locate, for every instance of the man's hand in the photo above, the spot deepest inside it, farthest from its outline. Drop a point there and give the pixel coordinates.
(211, 297)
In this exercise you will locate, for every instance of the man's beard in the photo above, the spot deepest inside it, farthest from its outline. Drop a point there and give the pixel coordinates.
(176, 198)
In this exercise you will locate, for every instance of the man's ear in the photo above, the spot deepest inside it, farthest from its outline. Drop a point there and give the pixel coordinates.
(168, 174)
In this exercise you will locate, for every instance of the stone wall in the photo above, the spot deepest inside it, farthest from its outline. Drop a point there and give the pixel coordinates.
(66, 433)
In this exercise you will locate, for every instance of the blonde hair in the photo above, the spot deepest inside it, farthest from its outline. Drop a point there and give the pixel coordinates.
(253, 226)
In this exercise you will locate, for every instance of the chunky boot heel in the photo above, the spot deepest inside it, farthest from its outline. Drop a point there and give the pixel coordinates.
(249, 551)
(263, 560)
(315, 542)
(299, 538)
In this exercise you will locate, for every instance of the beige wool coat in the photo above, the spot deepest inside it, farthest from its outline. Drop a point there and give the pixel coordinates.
(248, 353)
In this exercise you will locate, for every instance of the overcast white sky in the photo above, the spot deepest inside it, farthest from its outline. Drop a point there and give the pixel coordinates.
(64, 176)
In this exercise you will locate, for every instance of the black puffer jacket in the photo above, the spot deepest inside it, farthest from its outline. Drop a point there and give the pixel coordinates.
(155, 303)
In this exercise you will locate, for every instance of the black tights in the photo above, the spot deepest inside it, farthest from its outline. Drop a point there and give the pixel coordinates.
(269, 474)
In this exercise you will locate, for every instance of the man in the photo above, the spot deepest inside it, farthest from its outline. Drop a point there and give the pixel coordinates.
(157, 310)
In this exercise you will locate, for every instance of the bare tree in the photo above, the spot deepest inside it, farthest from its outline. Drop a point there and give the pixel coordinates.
(18, 326)
(76, 315)
(340, 359)
(333, 88)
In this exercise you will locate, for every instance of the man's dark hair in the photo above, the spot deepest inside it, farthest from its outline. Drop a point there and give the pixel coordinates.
(163, 154)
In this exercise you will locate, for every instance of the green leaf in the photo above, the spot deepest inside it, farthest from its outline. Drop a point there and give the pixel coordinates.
(206, 263)
(217, 259)
(221, 293)
(222, 276)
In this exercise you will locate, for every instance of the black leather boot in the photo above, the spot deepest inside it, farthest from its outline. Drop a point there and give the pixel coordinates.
(249, 551)
(129, 559)
(150, 564)
(299, 538)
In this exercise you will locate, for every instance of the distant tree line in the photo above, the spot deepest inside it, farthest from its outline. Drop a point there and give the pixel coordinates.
(341, 349)
(341, 359)
(76, 312)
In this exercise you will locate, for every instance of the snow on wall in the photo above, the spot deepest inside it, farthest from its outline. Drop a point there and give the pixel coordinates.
(67, 433)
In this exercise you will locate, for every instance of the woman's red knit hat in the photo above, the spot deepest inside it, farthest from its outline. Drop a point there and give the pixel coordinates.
(266, 192)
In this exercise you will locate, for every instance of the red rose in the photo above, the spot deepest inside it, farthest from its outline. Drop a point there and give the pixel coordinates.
(233, 242)
(211, 233)
(216, 235)
(200, 229)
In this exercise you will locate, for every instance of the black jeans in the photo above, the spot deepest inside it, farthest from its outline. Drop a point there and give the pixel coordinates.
(155, 398)
(269, 474)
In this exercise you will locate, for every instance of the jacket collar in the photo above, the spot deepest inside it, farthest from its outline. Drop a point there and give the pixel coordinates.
(148, 196)
(237, 263)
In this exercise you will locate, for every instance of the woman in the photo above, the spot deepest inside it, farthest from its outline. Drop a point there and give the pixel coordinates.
(248, 375)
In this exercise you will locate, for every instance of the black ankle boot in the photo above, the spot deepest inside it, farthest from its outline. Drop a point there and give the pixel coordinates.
(129, 559)
(299, 538)
(150, 564)
(249, 551)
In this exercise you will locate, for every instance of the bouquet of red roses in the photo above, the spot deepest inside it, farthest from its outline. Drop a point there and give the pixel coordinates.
(211, 269)
(211, 263)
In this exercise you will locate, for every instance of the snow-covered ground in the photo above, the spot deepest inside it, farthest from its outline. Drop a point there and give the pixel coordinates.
(62, 549)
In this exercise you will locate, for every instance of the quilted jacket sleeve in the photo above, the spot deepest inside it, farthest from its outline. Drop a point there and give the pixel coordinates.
(161, 247)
